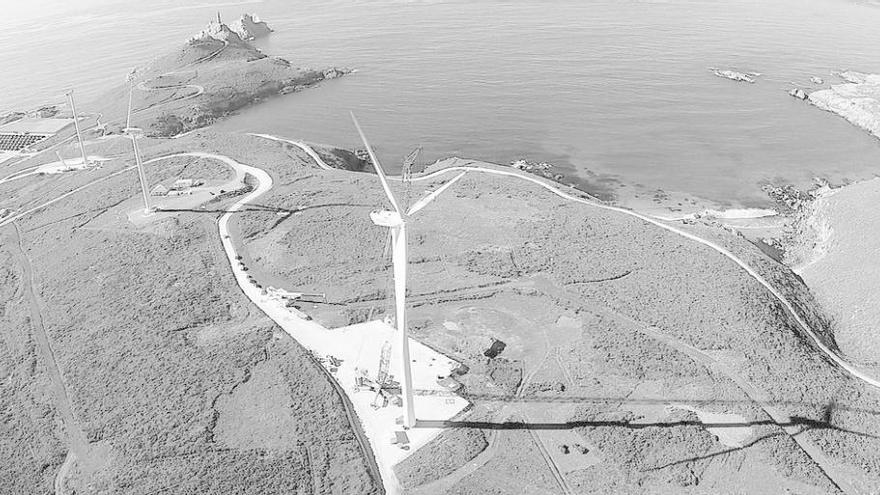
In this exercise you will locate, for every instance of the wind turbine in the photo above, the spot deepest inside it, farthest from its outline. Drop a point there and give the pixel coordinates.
(396, 222)
(134, 133)
(79, 138)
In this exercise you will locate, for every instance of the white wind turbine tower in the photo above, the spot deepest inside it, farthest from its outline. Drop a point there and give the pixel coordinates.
(396, 222)
(134, 133)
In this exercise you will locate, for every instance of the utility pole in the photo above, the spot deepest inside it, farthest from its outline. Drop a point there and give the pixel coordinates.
(132, 133)
(82, 148)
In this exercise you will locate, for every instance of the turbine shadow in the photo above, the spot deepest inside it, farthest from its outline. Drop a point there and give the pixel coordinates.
(256, 208)
(804, 423)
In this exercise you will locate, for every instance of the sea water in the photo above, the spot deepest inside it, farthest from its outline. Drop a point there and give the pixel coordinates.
(617, 93)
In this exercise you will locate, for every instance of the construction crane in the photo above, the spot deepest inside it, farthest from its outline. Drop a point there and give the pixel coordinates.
(382, 376)
(384, 362)
(386, 389)
(406, 173)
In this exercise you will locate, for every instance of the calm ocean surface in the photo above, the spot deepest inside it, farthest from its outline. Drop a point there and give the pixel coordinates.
(612, 91)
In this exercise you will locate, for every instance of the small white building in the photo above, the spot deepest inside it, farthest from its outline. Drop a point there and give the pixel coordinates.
(182, 184)
(159, 190)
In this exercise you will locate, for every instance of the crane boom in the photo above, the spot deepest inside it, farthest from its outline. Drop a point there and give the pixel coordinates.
(384, 362)
(406, 172)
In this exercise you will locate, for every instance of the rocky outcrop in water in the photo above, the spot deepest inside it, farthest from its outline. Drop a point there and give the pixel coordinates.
(734, 75)
(857, 100)
(543, 169)
(250, 27)
(798, 93)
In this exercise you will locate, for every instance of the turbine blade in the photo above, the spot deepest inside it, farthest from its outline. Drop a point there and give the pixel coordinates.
(430, 197)
(377, 166)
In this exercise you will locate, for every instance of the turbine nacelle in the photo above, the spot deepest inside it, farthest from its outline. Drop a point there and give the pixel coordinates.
(386, 218)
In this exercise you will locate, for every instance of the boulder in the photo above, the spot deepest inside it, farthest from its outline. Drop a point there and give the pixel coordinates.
(798, 93)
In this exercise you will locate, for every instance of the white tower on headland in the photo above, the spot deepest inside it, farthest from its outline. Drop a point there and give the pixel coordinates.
(82, 148)
(396, 222)
(134, 133)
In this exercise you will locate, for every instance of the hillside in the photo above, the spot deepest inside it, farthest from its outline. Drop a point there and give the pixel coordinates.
(635, 360)
(173, 380)
(213, 74)
(631, 359)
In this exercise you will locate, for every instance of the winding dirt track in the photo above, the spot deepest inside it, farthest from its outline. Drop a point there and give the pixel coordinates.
(301, 145)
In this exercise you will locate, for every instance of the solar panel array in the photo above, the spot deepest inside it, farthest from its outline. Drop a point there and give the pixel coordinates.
(14, 141)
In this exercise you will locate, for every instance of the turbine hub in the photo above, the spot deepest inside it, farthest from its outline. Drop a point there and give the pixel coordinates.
(386, 218)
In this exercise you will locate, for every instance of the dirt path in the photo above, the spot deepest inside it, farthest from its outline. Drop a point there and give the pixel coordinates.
(548, 459)
(77, 442)
(199, 90)
(69, 459)
(299, 144)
